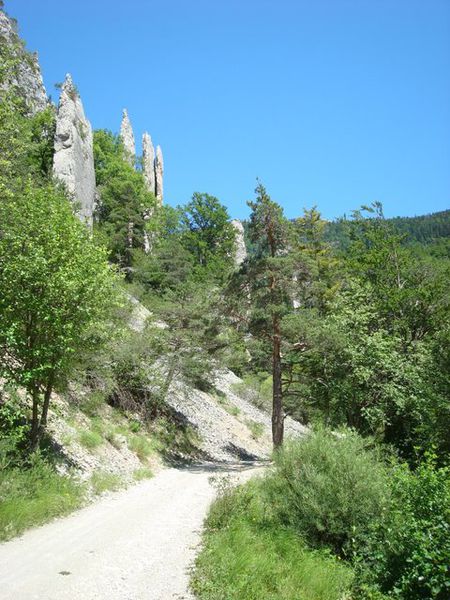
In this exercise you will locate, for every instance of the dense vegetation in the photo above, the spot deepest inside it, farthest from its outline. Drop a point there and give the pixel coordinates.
(343, 326)
(334, 518)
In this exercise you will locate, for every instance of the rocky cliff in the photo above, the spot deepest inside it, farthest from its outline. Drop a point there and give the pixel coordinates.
(73, 161)
(25, 75)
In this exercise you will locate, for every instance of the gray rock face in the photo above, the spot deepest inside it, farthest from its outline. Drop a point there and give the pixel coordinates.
(159, 173)
(241, 250)
(127, 137)
(148, 162)
(26, 78)
(73, 162)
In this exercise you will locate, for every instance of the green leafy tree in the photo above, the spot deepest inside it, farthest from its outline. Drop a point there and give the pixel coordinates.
(125, 203)
(56, 293)
(208, 235)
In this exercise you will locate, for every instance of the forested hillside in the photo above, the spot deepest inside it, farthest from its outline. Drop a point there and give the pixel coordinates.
(343, 327)
(425, 229)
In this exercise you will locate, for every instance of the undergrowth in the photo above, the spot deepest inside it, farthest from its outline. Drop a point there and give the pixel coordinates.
(248, 556)
(33, 494)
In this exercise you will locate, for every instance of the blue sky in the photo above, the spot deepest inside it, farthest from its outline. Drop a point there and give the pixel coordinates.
(329, 102)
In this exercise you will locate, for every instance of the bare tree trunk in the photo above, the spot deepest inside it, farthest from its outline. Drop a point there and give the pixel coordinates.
(277, 406)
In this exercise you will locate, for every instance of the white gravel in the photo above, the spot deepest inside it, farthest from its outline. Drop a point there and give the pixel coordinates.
(132, 545)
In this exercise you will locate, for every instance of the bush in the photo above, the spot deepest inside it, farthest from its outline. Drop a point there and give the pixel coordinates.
(406, 553)
(246, 556)
(142, 473)
(329, 487)
(105, 482)
(141, 446)
(33, 495)
(90, 439)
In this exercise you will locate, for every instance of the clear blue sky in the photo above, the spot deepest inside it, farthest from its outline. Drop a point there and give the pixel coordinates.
(328, 102)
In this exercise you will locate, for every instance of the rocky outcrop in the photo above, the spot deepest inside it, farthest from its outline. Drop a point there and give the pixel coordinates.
(73, 162)
(127, 137)
(148, 162)
(25, 76)
(159, 173)
(241, 251)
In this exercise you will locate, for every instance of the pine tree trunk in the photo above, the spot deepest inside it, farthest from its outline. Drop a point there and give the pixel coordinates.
(277, 407)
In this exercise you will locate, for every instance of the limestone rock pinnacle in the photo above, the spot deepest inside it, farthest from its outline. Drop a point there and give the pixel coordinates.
(241, 251)
(73, 162)
(127, 137)
(159, 173)
(26, 77)
(148, 162)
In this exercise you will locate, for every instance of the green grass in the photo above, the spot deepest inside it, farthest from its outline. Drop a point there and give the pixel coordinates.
(142, 473)
(32, 496)
(102, 481)
(248, 556)
(256, 429)
(90, 439)
(230, 408)
(141, 446)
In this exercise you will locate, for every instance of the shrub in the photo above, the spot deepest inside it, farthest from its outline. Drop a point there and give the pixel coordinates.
(256, 429)
(141, 446)
(105, 482)
(328, 486)
(33, 495)
(246, 556)
(90, 439)
(406, 553)
(93, 402)
(142, 473)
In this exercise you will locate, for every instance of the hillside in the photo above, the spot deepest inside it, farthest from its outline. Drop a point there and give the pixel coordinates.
(423, 229)
(146, 340)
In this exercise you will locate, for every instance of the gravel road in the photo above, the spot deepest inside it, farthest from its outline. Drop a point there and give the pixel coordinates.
(132, 545)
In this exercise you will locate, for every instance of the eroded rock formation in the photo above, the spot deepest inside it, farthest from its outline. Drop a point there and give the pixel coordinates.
(159, 173)
(241, 251)
(148, 162)
(73, 162)
(127, 137)
(26, 76)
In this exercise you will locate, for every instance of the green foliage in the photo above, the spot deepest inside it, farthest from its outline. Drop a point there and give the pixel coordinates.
(101, 482)
(246, 556)
(14, 429)
(56, 291)
(32, 494)
(256, 429)
(124, 200)
(90, 439)
(373, 357)
(142, 473)
(142, 446)
(328, 487)
(405, 553)
(208, 235)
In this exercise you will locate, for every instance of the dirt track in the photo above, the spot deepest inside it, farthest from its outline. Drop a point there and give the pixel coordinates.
(132, 545)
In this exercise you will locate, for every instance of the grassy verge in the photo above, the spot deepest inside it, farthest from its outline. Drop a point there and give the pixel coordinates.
(248, 556)
(34, 495)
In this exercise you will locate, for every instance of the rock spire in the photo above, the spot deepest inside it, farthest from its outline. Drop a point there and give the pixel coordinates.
(127, 137)
(148, 162)
(241, 251)
(159, 173)
(73, 162)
